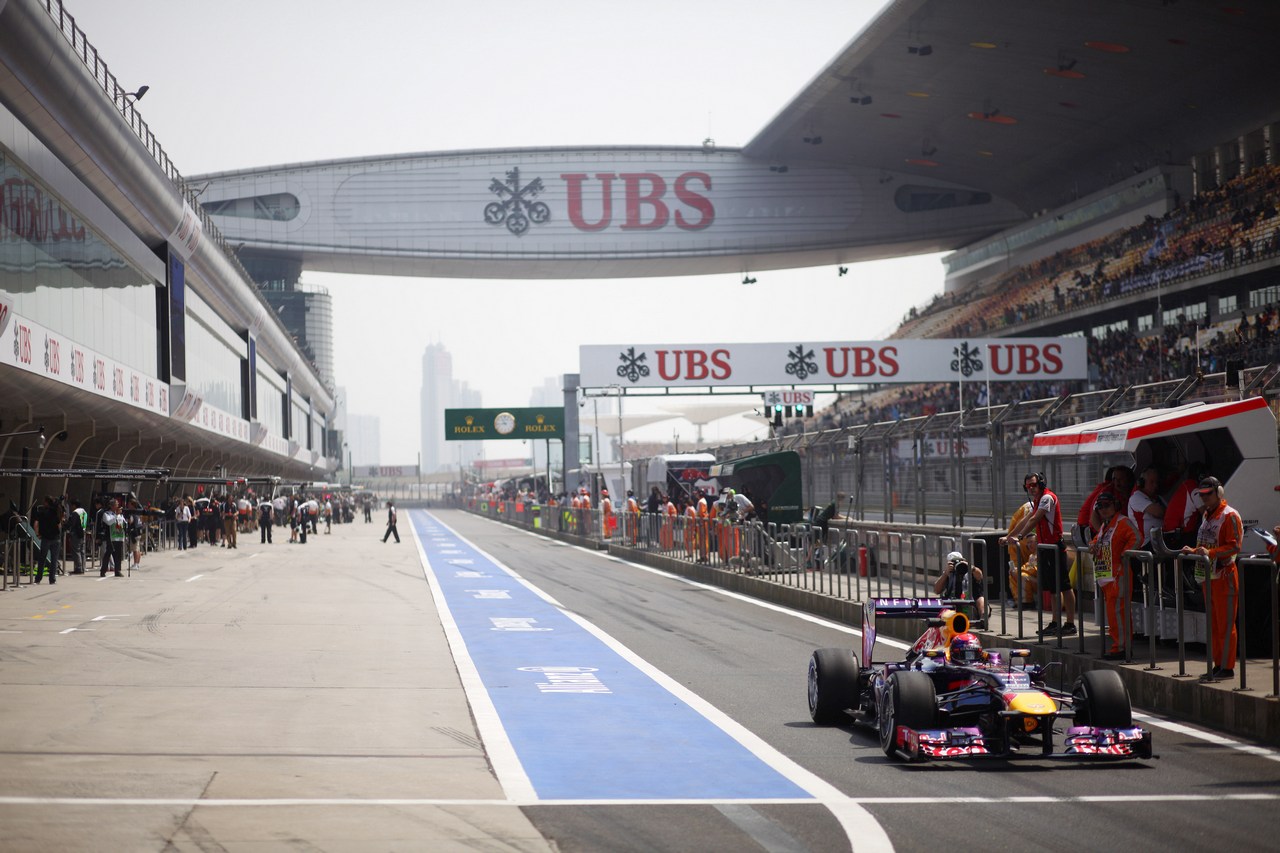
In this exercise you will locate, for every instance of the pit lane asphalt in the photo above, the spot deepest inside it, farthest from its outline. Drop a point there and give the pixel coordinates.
(749, 661)
(291, 696)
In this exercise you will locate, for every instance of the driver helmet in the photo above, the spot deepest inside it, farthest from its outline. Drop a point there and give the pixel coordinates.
(965, 648)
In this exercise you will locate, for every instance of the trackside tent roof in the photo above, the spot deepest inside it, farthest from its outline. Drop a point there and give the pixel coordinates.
(1251, 422)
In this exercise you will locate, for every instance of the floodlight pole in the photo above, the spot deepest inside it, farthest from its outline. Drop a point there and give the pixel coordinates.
(621, 453)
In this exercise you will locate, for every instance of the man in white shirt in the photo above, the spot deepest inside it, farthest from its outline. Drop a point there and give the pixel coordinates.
(116, 525)
(1146, 510)
(182, 515)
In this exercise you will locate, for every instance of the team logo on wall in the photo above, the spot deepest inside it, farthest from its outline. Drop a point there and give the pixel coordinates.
(966, 361)
(800, 364)
(633, 366)
(517, 207)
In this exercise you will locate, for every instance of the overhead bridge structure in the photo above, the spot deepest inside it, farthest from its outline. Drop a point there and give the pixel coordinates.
(557, 213)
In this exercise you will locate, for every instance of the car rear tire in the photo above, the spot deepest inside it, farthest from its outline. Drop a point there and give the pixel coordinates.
(833, 685)
(908, 700)
(1101, 700)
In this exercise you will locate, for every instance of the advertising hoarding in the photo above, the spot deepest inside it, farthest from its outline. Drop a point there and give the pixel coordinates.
(833, 362)
(499, 424)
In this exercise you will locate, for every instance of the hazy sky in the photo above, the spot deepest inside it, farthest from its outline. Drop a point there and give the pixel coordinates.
(236, 84)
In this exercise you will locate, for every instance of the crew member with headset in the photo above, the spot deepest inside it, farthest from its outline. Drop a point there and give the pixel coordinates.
(1046, 520)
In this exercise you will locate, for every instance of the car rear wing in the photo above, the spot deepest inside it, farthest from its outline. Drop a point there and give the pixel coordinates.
(899, 608)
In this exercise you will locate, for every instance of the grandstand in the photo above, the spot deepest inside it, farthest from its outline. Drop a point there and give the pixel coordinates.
(1170, 276)
(1191, 291)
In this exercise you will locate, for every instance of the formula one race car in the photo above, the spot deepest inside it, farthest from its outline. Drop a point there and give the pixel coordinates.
(950, 698)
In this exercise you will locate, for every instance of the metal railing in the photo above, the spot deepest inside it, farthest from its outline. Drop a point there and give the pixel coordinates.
(856, 561)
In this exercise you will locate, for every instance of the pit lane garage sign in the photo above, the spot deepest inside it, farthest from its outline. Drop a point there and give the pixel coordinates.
(833, 362)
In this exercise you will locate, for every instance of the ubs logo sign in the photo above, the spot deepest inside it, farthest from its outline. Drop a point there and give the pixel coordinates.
(645, 201)
(517, 208)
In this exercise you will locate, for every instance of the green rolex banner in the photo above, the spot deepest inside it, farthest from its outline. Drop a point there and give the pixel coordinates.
(497, 424)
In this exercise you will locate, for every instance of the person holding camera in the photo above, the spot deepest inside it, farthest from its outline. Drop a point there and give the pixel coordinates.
(961, 580)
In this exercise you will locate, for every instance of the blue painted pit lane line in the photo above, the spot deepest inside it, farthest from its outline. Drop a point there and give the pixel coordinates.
(584, 722)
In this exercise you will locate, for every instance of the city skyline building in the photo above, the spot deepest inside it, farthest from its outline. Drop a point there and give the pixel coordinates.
(440, 391)
(364, 440)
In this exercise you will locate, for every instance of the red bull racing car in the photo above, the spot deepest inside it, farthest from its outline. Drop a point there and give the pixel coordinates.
(951, 699)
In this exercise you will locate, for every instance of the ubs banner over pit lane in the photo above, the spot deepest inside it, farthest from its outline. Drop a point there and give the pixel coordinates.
(497, 424)
(833, 362)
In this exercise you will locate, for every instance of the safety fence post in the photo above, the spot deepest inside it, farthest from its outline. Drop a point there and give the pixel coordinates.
(873, 549)
(853, 566)
(923, 539)
(978, 546)
(895, 538)
(1054, 564)
(1269, 564)
(1275, 632)
(1077, 590)
(1148, 561)
(1004, 594)
(1197, 561)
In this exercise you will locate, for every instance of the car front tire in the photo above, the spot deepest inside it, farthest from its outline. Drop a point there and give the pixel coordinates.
(908, 700)
(1101, 700)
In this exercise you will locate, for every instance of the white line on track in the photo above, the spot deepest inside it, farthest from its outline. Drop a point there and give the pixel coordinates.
(1148, 718)
(502, 755)
(193, 578)
(521, 803)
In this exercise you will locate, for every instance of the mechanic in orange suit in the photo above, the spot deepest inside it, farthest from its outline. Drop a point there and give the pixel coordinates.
(1219, 537)
(666, 535)
(633, 518)
(606, 512)
(690, 528)
(704, 528)
(1111, 571)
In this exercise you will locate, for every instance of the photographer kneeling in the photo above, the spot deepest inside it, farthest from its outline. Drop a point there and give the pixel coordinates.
(962, 580)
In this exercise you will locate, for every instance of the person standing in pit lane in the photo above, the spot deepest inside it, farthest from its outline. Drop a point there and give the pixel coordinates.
(607, 520)
(115, 522)
(1046, 521)
(77, 528)
(1219, 537)
(46, 517)
(1117, 535)
(230, 521)
(391, 523)
(266, 520)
